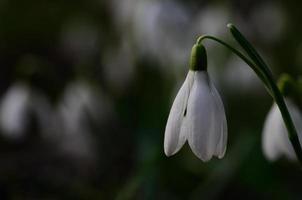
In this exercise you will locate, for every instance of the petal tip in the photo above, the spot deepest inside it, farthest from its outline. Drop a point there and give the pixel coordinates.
(168, 151)
(220, 156)
(205, 159)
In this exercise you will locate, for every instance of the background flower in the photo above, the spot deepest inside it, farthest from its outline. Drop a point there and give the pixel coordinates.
(275, 142)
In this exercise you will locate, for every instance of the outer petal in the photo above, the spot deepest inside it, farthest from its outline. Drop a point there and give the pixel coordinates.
(204, 118)
(221, 147)
(174, 140)
(275, 142)
(296, 116)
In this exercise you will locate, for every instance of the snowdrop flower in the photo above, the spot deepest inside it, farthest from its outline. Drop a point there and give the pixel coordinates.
(13, 110)
(17, 105)
(275, 141)
(80, 107)
(197, 114)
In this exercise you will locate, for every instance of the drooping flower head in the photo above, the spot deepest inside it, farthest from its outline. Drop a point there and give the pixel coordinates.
(197, 114)
(275, 141)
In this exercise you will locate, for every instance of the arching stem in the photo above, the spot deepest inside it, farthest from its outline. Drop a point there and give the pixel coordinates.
(240, 55)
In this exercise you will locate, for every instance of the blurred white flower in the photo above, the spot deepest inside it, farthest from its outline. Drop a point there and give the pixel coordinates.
(275, 141)
(69, 128)
(197, 115)
(18, 103)
(156, 25)
(13, 110)
(163, 30)
(79, 108)
(161, 25)
(211, 20)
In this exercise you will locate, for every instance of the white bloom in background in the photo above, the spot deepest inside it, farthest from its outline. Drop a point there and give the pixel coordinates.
(211, 19)
(157, 25)
(13, 110)
(197, 115)
(151, 25)
(80, 107)
(275, 141)
(17, 105)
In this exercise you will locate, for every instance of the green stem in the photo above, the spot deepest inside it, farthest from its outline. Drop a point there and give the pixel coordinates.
(262, 70)
(240, 55)
(276, 94)
(250, 50)
(292, 132)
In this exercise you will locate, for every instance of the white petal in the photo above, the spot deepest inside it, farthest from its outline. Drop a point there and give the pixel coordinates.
(296, 116)
(221, 147)
(275, 142)
(204, 118)
(174, 137)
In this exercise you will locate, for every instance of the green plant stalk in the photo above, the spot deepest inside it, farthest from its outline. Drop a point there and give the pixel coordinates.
(249, 49)
(292, 132)
(276, 94)
(263, 72)
(254, 67)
